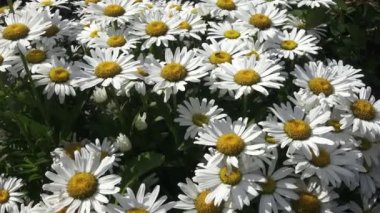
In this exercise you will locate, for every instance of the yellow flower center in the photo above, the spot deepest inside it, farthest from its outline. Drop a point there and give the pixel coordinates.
(116, 41)
(320, 85)
(149, 5)
(107, 69)
(336, 124)
(232, 34)
(82, 185)
(365, 144)
(270, 139)
(15, 31)
(322, 160)
(307, 203)
(113, 10)
(59, 74)
(230, 177)
(269, 186)
(297, 129)
(87, 2)
(202, 207)
(46, 3)
(226, 4)
(260, 21)
(136, 210)
(199, 119)
(184, 25)
(253, 53)
(173, 72)
(177, 7)
(4, 196)
(94, 34)
(230, 144)
(51, 31)
(156, 28)
(220, 57)
(71, 148)
(35, 56)
(247, 77)
(1, 60)
(363, 110)
(289, 45)
(142, 72)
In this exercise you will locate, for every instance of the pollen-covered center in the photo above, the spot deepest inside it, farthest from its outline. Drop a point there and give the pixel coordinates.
(199, 119)
(363, 110)
(365, 144)
(4, 196)
(82, 185)
(307, 202)
(336, 124)
(320, 85)
(59, 74)
(116, 41)
(289, 45)
(173, 72)
(71, 148)
(107, 69)
(156, 28)
(269, 186)
(247, 77)
(142, 72)
(226, 4)
(270, 139)
(94, 34)
(16, 31)
(322, 160)
(177, 7)
(202, 207)
(136, 210)
(51, 31)
(260, 21)
(87, 2)
(35, 56)
(46, 3)
(253, 53)
(230, 144)
(232, 34)
(231, 177)
(297, 129)
(184, 25)
(113, 10)
(220, 57)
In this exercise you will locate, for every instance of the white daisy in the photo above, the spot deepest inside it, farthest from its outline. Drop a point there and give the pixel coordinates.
(179, 68)
(232, 140)
(299, 130)
(369, 146)
(194, 200)
(5, 10)
(141, 202)
(351, 74)
(105, 148)
(9, 61)
(9, 193)
(178, 5)
(295, 43)
(315, 3)
(58, 77)
(105, 67)
(222, 8)
(68, 148)
(341, 136)
(369, 181)
(193, 26)
(49, 3)
(262, 20)
(156, 27)
(115, 39)
(195, 113)
(305, 100)
(60, 28)
(225, 31)
(89, 33)
(80, 185)
(296, 22)
(256, 49)
(362, 112)
(246, 75)
(368, 205)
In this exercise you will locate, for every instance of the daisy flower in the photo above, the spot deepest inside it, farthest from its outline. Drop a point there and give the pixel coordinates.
(369, 180)
(59, 29)
(9, 193)
(227, 31)
(299, 130)
(156, 27)
(221, 8)
(107, 12)
(276, 189)
(330, 166)
(315, 3)
(49, 3)
(231, 140)
(305, 100)
(362, 112)
(341, 136)
(195, 113)
(81, 184)
(179, 68)
(22, 28)
(106, 67)
(178, 5)
(369, 146)
(194, 200)
(105, 148)
(141, 202)
(89, 33)
(368, 205)
(68, 148)
(246, 75)
(322, 82)
(5, 10)
(58, 77)
(256, 49)
(296, 22)
(234, 186)
(262, 20)
(351, 74)
(193, 26)
(115, 39)
(295, 43)
(9, 61)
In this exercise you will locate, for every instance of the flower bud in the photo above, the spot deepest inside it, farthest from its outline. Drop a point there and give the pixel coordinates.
(140, 123)
(123, 143)
(99, 95)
